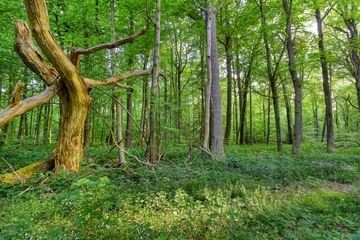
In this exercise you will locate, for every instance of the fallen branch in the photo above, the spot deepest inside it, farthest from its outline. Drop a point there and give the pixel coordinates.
(25, 172)
(12, 169)
(138, 160)
(33, 188)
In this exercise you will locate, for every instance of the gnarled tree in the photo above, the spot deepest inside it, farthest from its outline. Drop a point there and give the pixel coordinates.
(63, 79)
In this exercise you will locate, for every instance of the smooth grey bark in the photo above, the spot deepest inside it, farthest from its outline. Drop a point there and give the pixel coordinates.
(216, 142)
(330, 146)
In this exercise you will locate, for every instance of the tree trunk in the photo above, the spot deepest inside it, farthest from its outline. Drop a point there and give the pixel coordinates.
(272, 75)
(76, 99)
(297, 83)
(87, 132)
(145, 102)
(152, 148)
(38, 125)
(275, 99)
(116, 97)
(62, 79)
(129, 111)
(288, 114)
(217, 142)
(330, 147)
(207, 98)
(23, 118)
(228, 46)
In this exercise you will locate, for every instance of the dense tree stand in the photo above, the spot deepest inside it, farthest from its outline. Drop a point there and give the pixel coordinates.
(63, 79)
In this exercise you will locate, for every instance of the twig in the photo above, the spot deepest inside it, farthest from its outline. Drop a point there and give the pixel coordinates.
(30, 189)
(138, 160)
(11, 168)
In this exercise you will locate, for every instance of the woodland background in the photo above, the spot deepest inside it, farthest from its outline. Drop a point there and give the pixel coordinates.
(247, 100)
(258, 190)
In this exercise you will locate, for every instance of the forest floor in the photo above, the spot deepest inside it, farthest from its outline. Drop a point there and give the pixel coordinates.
(254, 193)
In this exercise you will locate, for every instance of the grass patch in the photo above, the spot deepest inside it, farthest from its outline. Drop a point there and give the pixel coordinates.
(252, 194)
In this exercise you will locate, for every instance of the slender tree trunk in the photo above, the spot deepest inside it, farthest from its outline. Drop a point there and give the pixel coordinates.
(208, 82)
(87, 132)
(145, 102)
(128, 119)
(275, 99)
(272, 75)
(330, 146)
(38, 126)
(22, 123)
(268, 117)
(152, 148)
(244, 98)
(316, 122)
(296, 148)
(288, 114)
(228, 47)
(251, 127)
(118, 114)
(129, 103)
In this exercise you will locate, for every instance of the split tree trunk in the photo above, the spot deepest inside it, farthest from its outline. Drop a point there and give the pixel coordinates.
(62, 79)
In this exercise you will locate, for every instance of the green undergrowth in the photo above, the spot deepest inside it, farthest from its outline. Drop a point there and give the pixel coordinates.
(254, 193)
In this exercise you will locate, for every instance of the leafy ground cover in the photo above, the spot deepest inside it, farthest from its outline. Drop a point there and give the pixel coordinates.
(254, 193)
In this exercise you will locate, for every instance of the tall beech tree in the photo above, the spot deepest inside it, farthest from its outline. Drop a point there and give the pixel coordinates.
(62, 78)
(213, 112)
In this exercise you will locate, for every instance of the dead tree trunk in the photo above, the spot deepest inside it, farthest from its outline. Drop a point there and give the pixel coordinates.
(62, 79)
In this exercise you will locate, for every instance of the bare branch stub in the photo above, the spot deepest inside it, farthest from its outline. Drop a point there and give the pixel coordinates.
(75, 53)
(15, 96)
(113, 80)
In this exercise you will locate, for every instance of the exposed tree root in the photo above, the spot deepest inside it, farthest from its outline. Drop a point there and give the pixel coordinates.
(25, 172)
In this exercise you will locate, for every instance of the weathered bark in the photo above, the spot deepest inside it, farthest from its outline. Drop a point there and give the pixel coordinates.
(297, 83)
(330, 146)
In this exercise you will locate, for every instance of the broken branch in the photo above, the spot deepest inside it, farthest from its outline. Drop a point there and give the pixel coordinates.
(15, 96)
(113, 80)
(9, 113)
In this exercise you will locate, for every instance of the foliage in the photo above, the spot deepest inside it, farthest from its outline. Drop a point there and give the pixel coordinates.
(252, 194)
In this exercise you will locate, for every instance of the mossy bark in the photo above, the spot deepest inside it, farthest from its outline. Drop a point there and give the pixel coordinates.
(25, 172)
